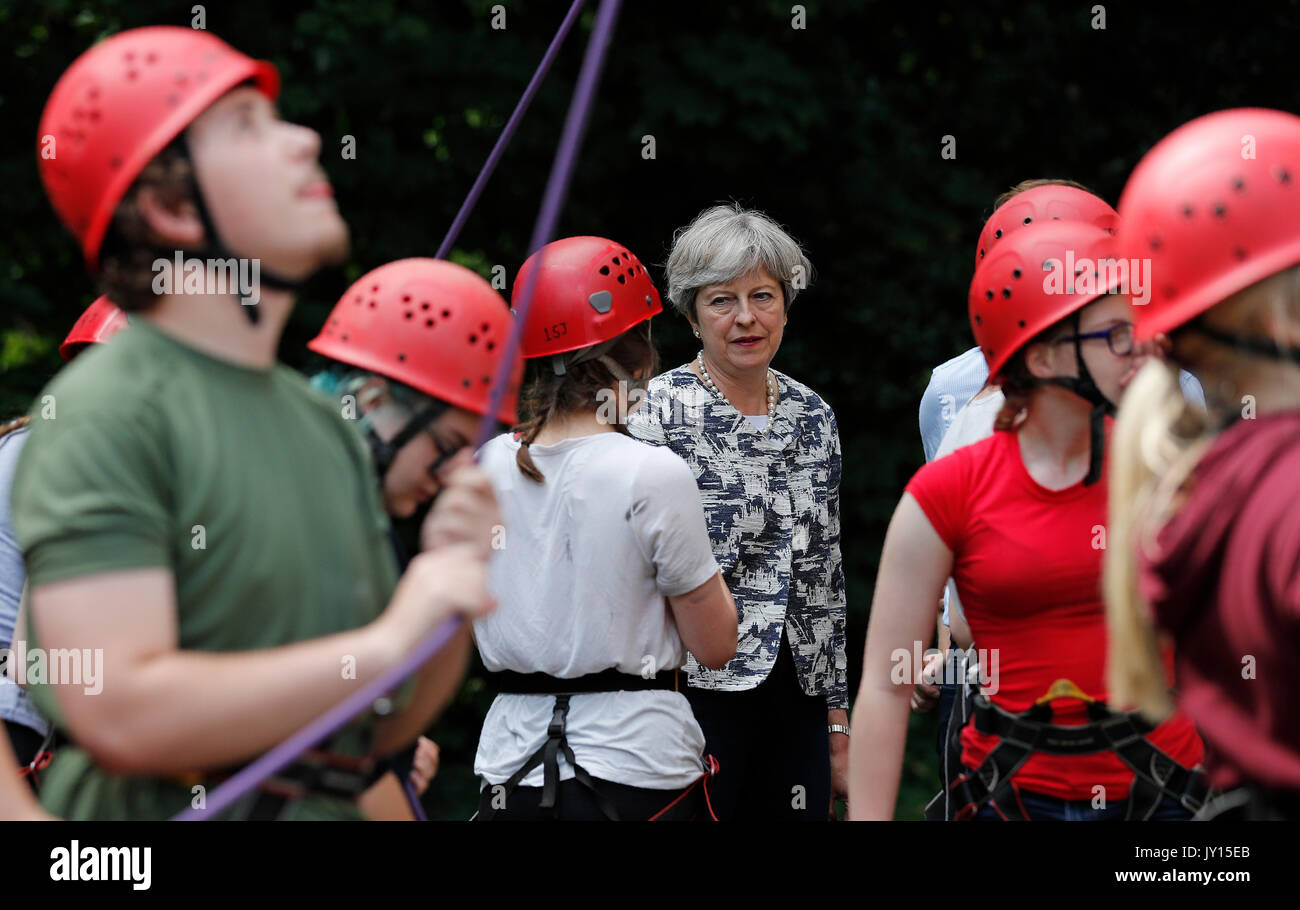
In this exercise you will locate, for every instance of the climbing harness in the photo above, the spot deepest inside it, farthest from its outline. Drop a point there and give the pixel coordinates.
(1155, 773)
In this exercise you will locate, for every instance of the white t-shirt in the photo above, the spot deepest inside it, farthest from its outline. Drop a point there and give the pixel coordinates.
(588, 557)
(759, 421)
(971, 424)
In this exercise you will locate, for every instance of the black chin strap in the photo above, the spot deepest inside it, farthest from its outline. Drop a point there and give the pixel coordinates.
(1102, 407)
(385, 452)
(1249, 344)
(215, 248)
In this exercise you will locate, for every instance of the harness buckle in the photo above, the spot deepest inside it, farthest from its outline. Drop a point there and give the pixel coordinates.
(555, 730)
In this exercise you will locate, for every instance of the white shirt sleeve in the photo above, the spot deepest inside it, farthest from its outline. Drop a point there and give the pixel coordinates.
(667, 520)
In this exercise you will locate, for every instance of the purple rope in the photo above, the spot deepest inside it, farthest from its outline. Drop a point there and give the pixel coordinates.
(417, 808)
(508, 133)
(566, 156)
(557, 188)
(247, 778)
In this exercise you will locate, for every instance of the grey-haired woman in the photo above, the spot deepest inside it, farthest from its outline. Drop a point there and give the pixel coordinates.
(765, 451)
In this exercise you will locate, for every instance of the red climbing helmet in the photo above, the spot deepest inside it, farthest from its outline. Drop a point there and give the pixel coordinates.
(118, 105)
(590, 290)
(1215, 207)
(1051, 202)
(432, 325)
(1034, 278)
(101, 321)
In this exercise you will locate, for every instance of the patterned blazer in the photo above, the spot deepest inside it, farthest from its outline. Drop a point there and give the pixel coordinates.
(773, 508)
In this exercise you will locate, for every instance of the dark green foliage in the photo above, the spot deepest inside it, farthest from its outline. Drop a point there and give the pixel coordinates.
(835, 130)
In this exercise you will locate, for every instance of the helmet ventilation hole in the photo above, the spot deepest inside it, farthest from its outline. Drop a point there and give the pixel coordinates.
(446, 313)
(622, 279)
(604, 270)
(1015, 273)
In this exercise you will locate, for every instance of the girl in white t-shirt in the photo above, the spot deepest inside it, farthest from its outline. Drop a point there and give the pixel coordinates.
(604, 574)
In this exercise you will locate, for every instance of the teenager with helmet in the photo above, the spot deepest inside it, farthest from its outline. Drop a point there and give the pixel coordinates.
(1018, 521)
(960, 406)
(959, 394)
(187, 507)
(1205, 524)
(416, 344)
(602, 530)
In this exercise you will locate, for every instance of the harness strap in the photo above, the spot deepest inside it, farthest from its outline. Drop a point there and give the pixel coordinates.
(1156, 774)
(317, 772)
(510, 682)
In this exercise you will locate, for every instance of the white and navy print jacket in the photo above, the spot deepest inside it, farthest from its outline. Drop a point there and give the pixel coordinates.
(772, 503)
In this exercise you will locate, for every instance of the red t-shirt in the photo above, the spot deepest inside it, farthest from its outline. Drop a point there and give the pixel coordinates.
(1027, 564)
(1225, 581)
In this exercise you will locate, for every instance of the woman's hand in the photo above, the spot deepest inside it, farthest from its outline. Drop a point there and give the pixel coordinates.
(425, 765)
(466, 512)
(926, 694)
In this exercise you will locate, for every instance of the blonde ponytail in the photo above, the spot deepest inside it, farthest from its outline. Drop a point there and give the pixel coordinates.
(1156, 442)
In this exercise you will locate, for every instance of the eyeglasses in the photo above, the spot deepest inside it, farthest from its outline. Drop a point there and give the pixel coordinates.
(444, 454)
(1119, 338)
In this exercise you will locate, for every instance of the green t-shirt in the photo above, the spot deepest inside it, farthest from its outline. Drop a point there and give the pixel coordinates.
(251, 487)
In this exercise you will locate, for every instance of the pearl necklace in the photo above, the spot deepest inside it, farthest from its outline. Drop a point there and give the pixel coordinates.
(771, 390)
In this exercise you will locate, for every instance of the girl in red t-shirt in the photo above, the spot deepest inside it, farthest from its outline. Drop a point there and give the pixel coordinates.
(1207, 505)
(1019, 522)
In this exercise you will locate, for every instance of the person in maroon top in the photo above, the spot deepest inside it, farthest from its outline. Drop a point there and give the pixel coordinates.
(1205, 546)
(1018, 521)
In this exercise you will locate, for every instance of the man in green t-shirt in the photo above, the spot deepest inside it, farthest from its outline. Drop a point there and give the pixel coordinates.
(200, 529)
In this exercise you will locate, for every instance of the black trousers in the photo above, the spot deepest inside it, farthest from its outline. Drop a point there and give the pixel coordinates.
(772, 747)
(574, 802)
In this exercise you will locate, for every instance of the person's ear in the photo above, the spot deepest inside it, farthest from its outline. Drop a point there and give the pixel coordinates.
(178, 227)
(1039, 360)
